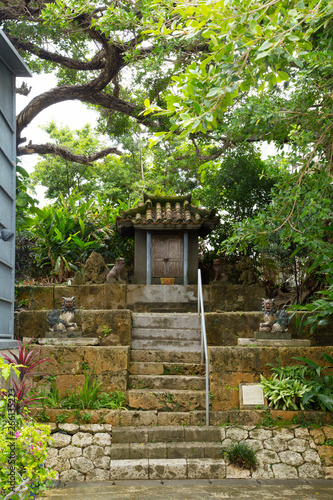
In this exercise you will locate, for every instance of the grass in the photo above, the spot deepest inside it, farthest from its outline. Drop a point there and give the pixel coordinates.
(241, 455)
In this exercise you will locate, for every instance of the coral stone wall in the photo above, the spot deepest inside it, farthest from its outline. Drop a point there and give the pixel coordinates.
(230, 366)
(68, 365)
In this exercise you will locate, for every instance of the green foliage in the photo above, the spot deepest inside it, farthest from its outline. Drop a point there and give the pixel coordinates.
(67, 233)
(300, 386)
(30, 445)
(250, 46)
(285, 393)
(242, 455)
(320, 387)
(25, 202)
(89, 396)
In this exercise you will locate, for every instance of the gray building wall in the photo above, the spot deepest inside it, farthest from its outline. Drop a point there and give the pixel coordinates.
(11, 65)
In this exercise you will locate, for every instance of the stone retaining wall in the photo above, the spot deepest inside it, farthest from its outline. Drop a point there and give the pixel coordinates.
(85, 452)
(68, 365)
(230, 366)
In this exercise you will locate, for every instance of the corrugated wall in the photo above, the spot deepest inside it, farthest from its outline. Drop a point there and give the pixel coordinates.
(7, 200)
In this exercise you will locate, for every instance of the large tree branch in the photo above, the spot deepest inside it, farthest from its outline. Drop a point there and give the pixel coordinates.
(53, 149)
(113, 63)
(97, 62)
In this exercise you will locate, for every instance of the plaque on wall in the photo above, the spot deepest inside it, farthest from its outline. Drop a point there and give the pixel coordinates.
(250, 396)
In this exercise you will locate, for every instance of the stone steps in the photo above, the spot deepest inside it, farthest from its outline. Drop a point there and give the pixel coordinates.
(166, 400)
(166, 345)
(149, 320)
(170, 332)
(161, 356)
(172, 382)
(165, 368)
(166, 334)
(167, 453)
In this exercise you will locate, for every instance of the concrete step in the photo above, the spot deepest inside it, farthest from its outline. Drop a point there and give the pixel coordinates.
(68, 342)
(168, 434)
(160, 320)
(167, 308)
(142, 368)
(166, 400)
(166, 345)
(165, 334)
(126, 451)
(159, 356)
(161, 469)
(173, 382)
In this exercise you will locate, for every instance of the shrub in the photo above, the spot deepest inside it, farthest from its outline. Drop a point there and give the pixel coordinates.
(242, 455)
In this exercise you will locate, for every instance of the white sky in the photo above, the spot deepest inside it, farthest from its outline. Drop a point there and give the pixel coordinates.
(71, 113)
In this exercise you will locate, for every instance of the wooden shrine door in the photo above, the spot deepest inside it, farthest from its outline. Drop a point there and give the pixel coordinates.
(167, 255)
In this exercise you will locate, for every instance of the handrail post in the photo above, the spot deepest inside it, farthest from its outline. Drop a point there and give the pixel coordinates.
(204, 346)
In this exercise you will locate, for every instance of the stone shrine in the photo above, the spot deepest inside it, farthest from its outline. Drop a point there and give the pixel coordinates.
(166, 231)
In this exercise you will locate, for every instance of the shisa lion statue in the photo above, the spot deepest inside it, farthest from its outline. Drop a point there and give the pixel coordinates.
(64, 319)
(273, 320)
(116, 271)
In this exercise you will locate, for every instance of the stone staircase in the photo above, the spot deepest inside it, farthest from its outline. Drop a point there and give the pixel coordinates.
(166, 331)
(165, 371)
(167, 453)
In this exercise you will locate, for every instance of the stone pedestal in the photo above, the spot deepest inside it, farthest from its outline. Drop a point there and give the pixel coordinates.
(272, 335)
(63, 334)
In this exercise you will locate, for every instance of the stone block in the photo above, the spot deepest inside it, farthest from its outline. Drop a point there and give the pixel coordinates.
(202, 434)
(128, 469)
(120, 451)
(60, 440)
(93, 428)
(156, 450)
(284, 471)
(268, 457)
(166, 434)
(310, 471)
(263, 471)
(70, 452)
(206, 469)
(114, 296)
(291, 458)
(236, 434)
(129, 435)
(277, 444)
(234, 472)
(229, 297)
(312, 456)
(261, 434)
(139, 418)
(256, 444)
(32, 324)
(69, 428)
(82, 439)
(71, 475)
(170, 469)
(284, 433)
(185, 450)
(102, 462)
(92, 452)
(102, 439)
(296, 444)
(98, 475)
(326, 454)
(213, 450)
(137, 450)
(82, 464)
(112, 326)
(86, 296)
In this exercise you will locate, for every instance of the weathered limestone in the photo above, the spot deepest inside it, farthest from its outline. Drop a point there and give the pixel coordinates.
(68, 363)
(230, 366)
(99, 451)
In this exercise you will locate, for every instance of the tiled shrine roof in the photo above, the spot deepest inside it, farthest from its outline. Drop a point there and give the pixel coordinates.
(166, 213)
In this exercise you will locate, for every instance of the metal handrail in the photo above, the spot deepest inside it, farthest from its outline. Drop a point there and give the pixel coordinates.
(204, 346)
